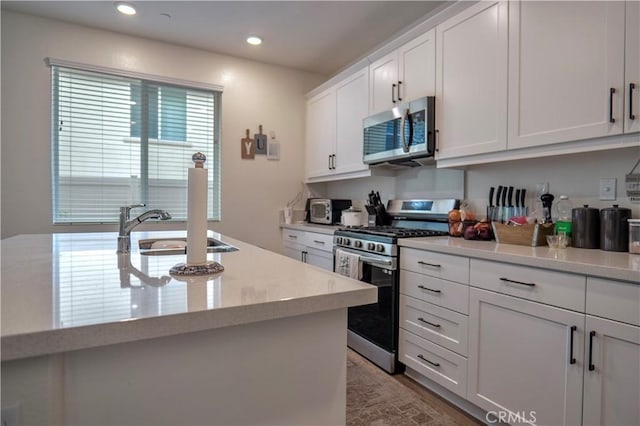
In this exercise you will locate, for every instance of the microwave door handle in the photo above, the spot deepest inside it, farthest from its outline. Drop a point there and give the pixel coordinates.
(410, 128)
(405, 147)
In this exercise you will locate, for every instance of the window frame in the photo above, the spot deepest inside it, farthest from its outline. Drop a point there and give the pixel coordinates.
(214, 166)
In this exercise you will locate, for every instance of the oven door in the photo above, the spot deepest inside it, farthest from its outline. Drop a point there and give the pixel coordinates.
(376, 325)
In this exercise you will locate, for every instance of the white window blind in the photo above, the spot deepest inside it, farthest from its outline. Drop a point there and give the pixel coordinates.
(119, 140)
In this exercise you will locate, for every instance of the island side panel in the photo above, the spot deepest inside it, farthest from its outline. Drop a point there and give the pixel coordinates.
(289, 371)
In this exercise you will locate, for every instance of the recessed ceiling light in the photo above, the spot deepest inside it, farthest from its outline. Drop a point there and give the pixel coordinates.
(254, 40)
(125, 8)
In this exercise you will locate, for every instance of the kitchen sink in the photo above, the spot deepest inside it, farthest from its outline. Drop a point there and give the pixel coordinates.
(173, 246)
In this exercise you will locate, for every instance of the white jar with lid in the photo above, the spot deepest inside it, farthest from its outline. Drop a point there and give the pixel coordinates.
(634, 236)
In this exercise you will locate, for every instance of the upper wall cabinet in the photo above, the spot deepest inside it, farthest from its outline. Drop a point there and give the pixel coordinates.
(405, 74)
(471, 81)
(566, 71)
(334, 130)
(632, 69)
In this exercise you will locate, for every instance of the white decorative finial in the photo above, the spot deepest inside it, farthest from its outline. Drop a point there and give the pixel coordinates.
(199, 158)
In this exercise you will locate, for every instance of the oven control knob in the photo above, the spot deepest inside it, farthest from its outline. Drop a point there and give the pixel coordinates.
(371, 246)
(380, 248)
(357, 243)
(346, 241)
(338, 240)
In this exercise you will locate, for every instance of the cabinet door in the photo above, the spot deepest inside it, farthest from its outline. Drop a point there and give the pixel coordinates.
(519, 359)
(383, 74)
(564, 59)
(319, 258)
(294, 251)
(417, 67)
(352, 106)
(471, 81)
(632, 68)
(321, 133)
(612, 388)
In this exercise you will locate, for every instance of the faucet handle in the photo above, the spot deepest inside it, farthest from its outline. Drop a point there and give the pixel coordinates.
(125, 210)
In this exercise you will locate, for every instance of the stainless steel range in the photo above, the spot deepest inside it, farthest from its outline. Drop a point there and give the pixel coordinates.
(374, 256)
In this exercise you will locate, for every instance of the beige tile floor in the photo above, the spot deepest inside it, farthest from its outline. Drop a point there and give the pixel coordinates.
(375, 398)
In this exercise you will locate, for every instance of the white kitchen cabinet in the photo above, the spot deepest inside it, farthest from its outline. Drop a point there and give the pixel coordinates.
(612, 373)
(632, 68)
(566, 71)
(525, 358)
(403, 75)
(309, 247)
(334, 129)
(471, 81)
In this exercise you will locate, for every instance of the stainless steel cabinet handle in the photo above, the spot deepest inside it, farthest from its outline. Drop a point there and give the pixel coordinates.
(429, 289)
(611, 92)
(433, 265)
(430, 323)
(435, 364)
(318, 242)
(572, 330)
(517, 282)
(591, 366)
(293, 237)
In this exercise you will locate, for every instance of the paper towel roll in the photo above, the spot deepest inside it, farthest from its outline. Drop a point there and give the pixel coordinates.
(197, 216)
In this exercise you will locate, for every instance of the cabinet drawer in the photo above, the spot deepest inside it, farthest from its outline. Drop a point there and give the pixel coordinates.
(434, 290)
(293, 236)
(616, 300)
(319, 241)
(447, 328)
(540, 285)
(434, 362)
(439, 265)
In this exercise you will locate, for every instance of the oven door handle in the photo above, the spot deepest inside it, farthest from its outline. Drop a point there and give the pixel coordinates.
(388, 262)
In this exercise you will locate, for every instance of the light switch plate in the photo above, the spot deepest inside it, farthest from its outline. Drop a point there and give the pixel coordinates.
(608, 189)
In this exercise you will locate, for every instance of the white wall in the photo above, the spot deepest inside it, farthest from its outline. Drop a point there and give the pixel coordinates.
(575, 175)
(253, 191)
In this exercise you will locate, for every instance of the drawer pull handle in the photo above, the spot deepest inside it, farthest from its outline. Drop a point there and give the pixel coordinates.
(293, 237)
(611, 92)
(433, 265)
(430, 323)
(318, 242)
(435, 364)
(429, 289)
(591, 366)
(517, 282)
(572, 360)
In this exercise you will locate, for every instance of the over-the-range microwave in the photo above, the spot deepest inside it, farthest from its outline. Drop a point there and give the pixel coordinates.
(404, 133)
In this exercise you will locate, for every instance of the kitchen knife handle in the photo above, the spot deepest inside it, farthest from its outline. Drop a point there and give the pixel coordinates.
(491, 190)
(611, 92)
(504, 197)
(399, 83)
(631, 87)
(518, 197)
(498, 195)
(393, 96)
(523, 196)
(510, 196)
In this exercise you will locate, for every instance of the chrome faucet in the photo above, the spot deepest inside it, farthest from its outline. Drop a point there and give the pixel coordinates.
(127, 225)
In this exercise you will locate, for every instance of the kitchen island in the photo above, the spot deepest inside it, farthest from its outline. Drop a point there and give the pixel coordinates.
(91, 337)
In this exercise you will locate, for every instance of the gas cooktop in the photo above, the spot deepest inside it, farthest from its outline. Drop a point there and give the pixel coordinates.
(393, 231)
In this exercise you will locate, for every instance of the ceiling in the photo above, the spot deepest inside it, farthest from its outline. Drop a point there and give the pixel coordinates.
(315, 36)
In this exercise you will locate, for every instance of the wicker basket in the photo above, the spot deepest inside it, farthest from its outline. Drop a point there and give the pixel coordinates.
(524, 235)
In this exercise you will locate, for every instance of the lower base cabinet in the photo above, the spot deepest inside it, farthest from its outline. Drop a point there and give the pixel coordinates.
(309, 247)
(525, 358)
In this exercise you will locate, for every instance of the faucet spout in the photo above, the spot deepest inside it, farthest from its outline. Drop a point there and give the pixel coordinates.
(127, 225)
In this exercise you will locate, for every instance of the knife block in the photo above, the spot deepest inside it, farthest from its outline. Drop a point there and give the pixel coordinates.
(532, 235)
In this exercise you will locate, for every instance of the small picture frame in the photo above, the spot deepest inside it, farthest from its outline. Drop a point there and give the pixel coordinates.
(273, 150)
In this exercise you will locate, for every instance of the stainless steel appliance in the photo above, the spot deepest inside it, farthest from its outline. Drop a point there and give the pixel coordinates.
(373, 329)
(401, 135)
(326, 211)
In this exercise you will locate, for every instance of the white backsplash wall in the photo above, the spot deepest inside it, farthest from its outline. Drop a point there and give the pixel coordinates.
(575, 175)
(253, 192)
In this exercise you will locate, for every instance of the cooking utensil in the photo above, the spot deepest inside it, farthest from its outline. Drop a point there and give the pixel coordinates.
(490, 206)
(247, 147)
(261, 141)
(497, 212)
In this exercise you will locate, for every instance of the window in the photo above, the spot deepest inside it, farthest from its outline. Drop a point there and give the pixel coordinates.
(119, 140)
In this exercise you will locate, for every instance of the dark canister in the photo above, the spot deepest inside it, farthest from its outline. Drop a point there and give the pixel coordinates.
(585, 224)
(614, 228)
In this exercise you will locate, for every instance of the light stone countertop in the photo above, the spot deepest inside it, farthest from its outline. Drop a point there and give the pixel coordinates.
(63, 292)
(597, 263)
(312, 227)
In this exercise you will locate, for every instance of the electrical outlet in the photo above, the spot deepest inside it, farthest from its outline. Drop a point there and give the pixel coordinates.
(608, 189)
(10, 415)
